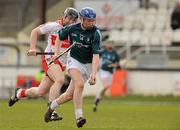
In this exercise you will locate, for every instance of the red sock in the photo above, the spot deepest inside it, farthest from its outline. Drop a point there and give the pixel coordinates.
(22, 93)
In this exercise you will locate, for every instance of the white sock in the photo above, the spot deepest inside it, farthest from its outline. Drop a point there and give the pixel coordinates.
(53, 105)
(78, 113)
(18, 94)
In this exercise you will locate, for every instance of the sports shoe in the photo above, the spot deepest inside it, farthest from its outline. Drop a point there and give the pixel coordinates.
(14, 98)
(55, 117)
(94, 108)
(80, 122)
(48, 115)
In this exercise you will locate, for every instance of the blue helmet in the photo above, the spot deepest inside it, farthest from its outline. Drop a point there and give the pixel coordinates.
(88, 12)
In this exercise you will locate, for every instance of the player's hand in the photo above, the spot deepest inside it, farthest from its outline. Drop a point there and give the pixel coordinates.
(113, 65)
(92, 79)
(31, 52)
(116, 65)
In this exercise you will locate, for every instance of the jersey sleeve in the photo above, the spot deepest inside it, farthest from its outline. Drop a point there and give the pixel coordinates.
(101, 52)
(63, 33)
(97, 42)
(49, 27)
(117, 58)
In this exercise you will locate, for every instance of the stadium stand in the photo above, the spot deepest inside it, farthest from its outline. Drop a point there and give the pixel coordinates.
(154, 20)
(145, 36)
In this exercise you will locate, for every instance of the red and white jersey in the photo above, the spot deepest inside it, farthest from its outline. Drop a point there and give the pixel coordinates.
(52, 28)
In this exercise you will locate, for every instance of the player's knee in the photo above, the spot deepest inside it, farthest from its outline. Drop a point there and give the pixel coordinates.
(79, 84)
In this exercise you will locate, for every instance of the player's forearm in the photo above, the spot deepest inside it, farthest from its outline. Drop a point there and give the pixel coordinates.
(57, 45)
(33, 38)
(95, 63)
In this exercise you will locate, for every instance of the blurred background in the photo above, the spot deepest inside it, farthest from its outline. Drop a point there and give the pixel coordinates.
(146, 33)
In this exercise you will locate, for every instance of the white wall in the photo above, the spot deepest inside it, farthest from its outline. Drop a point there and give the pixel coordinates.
(147, 83)
(154, 83)
(138, 82)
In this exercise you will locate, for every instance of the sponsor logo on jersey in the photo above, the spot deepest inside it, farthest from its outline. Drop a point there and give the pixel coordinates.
(81, 37)
(78, 44)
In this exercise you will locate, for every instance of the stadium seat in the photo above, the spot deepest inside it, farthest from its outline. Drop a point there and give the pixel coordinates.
(145, 37)
(114, 35)
(166, 38)
(159, 26)
(155, 38)
(152, 11)
(135, 36)
(148, 26)
(124, 36)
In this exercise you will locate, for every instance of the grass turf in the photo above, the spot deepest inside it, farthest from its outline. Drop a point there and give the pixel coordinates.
(122, 113)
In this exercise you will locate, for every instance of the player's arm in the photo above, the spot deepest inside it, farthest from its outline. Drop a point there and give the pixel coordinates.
(57, 45)
(95, 59)
(36, 32)
(117, 66)
(63, 33)
(95, 64)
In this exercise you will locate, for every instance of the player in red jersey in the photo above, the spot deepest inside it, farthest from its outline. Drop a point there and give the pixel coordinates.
(54, 76)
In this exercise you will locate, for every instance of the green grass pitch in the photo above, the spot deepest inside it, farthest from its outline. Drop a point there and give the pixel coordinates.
(122, 113)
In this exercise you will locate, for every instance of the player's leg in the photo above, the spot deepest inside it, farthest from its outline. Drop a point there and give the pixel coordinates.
(56, 74)
(100, 94)
(106, 79)
(33, 92)
(70, 92)
(67, 96)
(41, 90)
(66, 84)
(78, 81)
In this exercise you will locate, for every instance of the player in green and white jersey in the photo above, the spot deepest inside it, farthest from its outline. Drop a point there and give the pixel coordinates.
(109, 62)
(82, 62)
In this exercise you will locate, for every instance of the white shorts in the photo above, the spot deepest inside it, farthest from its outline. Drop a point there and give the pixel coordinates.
(85, 69)
(106, 77)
